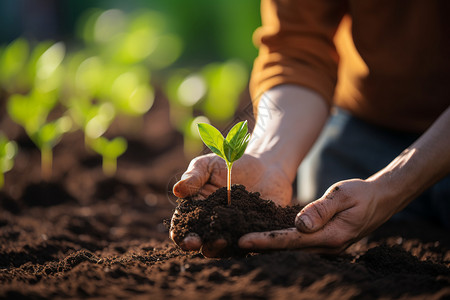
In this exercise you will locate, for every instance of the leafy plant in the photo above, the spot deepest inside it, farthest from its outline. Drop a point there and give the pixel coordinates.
(110, 150)
(230, 148)
(31, 112)
(8, 150)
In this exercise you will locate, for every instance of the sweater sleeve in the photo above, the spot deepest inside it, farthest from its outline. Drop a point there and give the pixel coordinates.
(296, 46)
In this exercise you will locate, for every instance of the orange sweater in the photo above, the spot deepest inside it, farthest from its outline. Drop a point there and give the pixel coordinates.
(394, 67)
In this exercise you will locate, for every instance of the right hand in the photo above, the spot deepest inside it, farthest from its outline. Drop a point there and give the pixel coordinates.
(207, 173)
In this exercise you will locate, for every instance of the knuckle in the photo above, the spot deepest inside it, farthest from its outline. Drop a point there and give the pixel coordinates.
(199, 161)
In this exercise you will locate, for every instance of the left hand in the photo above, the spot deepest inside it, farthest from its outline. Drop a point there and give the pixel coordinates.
(348, 211)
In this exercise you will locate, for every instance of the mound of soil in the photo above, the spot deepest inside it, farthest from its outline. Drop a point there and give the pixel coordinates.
(213, 218)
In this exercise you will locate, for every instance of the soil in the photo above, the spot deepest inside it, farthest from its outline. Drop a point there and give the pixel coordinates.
(85, 235)
(213, 218)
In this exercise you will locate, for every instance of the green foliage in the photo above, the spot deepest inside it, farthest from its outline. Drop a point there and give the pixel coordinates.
(110, 150)
(213, 92)
(13, 61)
(108, 75)
(230, 148)
(8, 151)
(31, 111)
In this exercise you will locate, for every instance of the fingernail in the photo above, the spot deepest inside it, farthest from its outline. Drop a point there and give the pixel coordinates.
(305, 221)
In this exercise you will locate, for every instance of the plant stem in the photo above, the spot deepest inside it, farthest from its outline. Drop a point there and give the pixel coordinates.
(229, 183)
(2, 179)
(109, 165)
(46, 163)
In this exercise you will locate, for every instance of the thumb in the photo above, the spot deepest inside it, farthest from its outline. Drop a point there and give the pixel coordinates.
(315, 215)
(193, 179)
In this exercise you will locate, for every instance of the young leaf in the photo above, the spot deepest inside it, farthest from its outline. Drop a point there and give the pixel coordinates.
(212, 138)
(235, 141)
(110, 150)
(237, 133)
(8, 150)
(242, 147)
(230, 149)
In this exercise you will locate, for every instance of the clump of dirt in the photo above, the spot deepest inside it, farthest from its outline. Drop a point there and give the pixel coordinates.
(213, 218)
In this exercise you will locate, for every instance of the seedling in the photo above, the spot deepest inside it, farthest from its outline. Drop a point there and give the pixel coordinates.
(110, 151)
(31, 112)
(8, 150)
(230, 148)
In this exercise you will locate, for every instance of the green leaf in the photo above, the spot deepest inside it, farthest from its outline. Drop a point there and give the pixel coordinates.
(236, 141)
(8, 150)
(116, 147)
(110, 148)
(14, 58)
(212, 138)
(228, 151)
(25, 111)
(236, 152)
(242, 147)
(237, 134)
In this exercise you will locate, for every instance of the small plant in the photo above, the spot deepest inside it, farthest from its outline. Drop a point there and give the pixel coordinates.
(31, 111)
(8, 150)
(230, 148)
(110, 150)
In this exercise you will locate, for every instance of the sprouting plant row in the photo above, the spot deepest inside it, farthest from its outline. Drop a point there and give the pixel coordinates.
(110, 77)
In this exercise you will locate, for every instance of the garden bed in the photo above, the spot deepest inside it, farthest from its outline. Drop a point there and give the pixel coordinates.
(86, 235)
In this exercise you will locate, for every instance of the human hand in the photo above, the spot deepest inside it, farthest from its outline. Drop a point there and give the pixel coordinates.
(207, 173)
(348, 211)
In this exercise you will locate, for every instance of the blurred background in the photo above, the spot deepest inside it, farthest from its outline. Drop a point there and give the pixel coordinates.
(209, 30)
(85, 66)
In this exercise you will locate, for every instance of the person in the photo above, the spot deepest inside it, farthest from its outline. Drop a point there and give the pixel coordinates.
(378, 97)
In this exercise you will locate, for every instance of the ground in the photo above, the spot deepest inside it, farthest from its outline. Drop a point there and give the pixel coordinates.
(85, 235)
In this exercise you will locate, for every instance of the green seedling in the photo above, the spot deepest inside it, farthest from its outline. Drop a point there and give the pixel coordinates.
(110, 150)
(230, 148)
(31, 112)
(93, 118)
(8, 150)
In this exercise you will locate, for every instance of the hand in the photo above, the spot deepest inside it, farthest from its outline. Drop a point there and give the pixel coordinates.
(207, 173)
(347, 212)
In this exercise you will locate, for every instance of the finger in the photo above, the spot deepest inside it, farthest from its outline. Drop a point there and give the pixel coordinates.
(207, 190)
(317, 214)
(214, 249)
(194, 178)
(191, 242)
(271, 240)
(326, 240)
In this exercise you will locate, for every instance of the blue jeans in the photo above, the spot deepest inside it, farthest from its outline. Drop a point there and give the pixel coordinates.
(351, 148)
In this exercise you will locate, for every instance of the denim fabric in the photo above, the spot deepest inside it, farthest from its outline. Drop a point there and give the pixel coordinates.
(351, 148)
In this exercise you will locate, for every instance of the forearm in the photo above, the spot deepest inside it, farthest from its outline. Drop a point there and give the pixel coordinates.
(289, 121)
(417, 168)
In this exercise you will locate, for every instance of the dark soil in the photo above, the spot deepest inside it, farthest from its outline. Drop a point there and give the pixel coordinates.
(83, 235)
(213, 218)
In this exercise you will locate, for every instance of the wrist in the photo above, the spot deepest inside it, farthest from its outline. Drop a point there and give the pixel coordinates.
(397, 184)
(289, 121)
